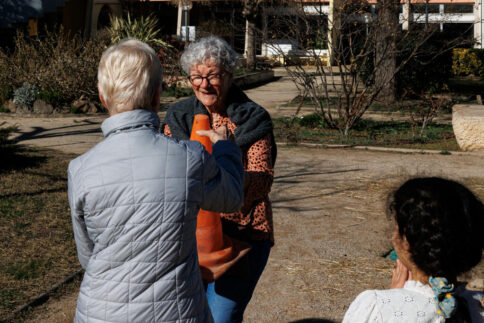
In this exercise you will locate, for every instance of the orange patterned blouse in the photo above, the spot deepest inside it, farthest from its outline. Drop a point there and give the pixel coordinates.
(255, 216)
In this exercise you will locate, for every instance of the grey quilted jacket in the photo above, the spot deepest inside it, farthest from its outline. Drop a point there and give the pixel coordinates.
(134, 200)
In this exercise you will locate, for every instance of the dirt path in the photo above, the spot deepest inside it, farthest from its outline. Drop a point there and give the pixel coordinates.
(330, 230)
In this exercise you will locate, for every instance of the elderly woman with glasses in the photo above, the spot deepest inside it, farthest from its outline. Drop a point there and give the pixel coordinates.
(210, 64)
(135, 197)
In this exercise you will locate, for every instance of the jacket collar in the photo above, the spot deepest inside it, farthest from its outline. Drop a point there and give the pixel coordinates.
(129, 119)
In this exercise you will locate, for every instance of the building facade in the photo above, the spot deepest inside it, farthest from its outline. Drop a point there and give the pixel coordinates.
(196, 18)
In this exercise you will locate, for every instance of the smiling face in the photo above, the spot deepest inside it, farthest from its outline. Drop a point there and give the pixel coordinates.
(212, 95)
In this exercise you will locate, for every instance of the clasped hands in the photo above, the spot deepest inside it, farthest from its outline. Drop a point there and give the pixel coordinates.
(222, 133)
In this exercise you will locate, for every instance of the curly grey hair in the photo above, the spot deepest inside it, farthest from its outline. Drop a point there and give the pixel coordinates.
(209, 49)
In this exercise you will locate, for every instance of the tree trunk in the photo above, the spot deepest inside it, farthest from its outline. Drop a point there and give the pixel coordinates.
(334, 31)
(250, 44)
(385, 51)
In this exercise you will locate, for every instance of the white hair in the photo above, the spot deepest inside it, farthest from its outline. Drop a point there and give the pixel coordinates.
(209, 49)
(128, 76)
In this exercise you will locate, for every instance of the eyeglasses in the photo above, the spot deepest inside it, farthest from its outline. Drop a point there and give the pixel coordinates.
(212, 79)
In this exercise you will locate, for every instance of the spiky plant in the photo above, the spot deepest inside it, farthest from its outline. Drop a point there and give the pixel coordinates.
(144, 29)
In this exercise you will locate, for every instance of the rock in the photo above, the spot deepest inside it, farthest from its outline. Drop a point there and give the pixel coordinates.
(42, 107)
(92, 108)
(84, 108)
(22, 109)
(82, 101)
(11, 106)
(468, 124)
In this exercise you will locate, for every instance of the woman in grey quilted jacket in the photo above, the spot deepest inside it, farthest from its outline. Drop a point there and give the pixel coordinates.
(134, 221)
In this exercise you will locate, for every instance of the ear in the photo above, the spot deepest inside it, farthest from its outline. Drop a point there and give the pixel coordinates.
(405, 244)
(102, 99)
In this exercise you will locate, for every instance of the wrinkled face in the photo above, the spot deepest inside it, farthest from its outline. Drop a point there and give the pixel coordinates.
(214, 86)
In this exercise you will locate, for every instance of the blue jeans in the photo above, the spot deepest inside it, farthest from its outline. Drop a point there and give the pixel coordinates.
(229, 295)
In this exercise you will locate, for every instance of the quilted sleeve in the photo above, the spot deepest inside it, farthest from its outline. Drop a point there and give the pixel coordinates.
(363, 309)
(83, 243)
(223, 178)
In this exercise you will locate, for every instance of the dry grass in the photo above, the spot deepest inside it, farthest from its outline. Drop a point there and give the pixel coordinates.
(37, 247)
(62, 66)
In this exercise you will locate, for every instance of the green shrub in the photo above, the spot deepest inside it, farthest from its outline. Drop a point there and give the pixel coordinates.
(466, 61)
(52, 96)
(25, 95)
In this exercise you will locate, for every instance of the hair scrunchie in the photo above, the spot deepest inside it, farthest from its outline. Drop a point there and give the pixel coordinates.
(445, 301)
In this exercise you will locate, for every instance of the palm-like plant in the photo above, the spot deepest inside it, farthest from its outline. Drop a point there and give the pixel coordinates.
(144, 29)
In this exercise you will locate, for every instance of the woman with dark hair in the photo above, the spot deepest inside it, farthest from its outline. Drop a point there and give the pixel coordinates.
(439, 234)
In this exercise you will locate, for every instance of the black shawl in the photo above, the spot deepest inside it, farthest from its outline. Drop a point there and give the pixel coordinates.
(253, 121)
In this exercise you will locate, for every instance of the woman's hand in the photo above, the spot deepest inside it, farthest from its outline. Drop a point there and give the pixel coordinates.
(215, 135)
(400, 275)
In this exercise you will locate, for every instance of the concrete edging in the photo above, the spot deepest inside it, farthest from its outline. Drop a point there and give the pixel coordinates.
(253, 78)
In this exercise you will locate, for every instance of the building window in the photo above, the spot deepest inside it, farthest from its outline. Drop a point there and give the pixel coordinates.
(420, 8)
(465, 31)
(459, 8)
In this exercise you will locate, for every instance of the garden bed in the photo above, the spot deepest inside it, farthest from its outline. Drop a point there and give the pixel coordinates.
(398, 134)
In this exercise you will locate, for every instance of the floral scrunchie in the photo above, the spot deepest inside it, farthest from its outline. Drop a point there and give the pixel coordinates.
(445, 301)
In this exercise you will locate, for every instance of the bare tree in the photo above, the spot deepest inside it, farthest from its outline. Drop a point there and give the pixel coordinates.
(367, 49)
(426, 111)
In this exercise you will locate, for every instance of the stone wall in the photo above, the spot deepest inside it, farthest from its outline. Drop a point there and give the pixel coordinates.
(468, 124)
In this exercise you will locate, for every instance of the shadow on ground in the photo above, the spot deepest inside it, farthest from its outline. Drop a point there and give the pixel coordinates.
(17, 157)
(282, 200)
(71, 130)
